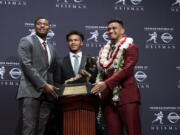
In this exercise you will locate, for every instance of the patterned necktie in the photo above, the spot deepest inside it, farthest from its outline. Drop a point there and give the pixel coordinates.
(112, 51)
(46, 53)
(76, 64)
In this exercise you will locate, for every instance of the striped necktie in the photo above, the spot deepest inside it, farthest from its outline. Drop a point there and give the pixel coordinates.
(46, 53)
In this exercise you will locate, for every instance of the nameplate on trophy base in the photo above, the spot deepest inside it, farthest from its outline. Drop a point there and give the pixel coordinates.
(75, 89)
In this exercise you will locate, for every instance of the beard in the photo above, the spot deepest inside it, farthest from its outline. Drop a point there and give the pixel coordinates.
(43, 36)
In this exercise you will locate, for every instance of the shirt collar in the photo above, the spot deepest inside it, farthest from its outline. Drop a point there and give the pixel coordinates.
(79, 54)
(41, 40)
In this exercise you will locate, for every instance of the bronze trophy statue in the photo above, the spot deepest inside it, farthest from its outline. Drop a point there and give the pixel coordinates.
(83, 73)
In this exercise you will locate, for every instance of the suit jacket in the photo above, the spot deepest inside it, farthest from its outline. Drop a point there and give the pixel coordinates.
(130, 92)
(35, 71)
(64, 70)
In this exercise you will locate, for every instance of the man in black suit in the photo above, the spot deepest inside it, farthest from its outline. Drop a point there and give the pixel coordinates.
(74, 61)
(69, 67)
(36, 92)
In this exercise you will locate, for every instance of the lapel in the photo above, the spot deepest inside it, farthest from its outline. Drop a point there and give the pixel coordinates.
(38, 46)
(83, 62)
(68, 64)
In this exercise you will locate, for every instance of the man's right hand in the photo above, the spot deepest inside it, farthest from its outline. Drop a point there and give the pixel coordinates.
(50, 89)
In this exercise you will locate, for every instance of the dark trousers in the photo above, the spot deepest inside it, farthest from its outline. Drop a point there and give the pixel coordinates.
(120, 117)
(36, 114)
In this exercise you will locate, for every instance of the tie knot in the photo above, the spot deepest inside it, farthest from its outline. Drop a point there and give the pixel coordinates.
(113, 46)
(75, 56)
(44, 43)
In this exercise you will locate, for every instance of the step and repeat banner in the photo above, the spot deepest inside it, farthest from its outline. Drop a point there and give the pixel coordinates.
(153, 24)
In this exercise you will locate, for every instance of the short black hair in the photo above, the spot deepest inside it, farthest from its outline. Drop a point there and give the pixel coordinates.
(38, 18)
(75, 32)
(116, 21)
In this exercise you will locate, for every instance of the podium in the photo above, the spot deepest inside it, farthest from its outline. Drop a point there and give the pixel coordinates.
(79, 114)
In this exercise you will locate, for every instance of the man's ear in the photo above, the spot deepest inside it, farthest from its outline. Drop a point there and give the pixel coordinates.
(82, 43)
(122, 31)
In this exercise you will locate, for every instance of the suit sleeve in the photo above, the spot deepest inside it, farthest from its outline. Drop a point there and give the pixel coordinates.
(131, 57)
(25, 55)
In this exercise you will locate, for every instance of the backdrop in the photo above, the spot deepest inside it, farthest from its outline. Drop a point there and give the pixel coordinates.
(154, 26)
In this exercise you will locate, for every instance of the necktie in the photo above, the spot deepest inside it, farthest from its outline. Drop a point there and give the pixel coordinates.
(46, 53)
(76, 64)
(112, 51)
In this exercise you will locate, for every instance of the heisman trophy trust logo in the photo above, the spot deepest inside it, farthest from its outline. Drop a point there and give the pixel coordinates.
(97, 36)
(159, 38)
(165, 118)
(129, 5)
(10, 73)
(165, 37)
(74, 4)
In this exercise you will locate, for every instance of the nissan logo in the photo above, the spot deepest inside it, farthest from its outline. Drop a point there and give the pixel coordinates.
(15, 73)
(166, 37)
(140, 76)
(173, 117)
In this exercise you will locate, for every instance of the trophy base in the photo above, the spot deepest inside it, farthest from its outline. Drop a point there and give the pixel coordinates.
(75, 89)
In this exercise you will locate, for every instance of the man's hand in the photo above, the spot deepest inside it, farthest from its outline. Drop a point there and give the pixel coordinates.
(50, 89)
(99, 87)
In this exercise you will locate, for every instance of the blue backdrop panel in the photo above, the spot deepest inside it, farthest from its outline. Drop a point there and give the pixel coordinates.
(153, 24)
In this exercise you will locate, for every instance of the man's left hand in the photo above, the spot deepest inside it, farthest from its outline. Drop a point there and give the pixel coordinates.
(99, 87)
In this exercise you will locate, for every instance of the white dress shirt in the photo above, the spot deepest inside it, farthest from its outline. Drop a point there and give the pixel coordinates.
(48, 51)
(73, 58)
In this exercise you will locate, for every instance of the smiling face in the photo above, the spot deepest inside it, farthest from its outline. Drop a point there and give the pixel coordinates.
(115, 31)
(42, 27)
(75, 42)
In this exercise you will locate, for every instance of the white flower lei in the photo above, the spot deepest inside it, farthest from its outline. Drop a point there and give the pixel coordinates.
(104, 64)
